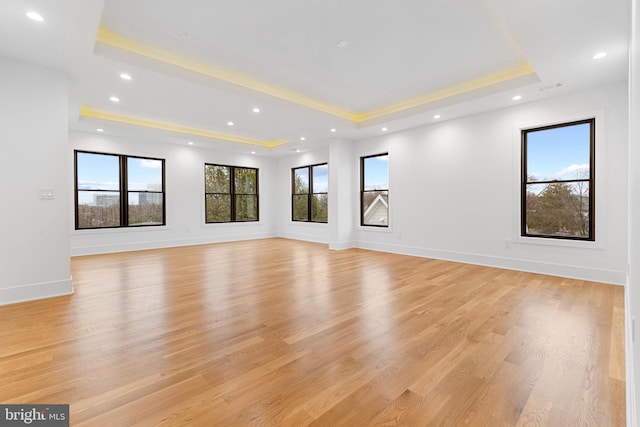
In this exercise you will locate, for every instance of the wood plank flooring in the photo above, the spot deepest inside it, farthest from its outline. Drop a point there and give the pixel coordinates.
(284, 333)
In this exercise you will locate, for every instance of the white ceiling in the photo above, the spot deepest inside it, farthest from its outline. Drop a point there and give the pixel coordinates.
(197, 64)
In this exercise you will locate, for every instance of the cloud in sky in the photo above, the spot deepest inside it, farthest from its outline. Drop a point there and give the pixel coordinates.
(570, 172)
(573, 171)
(103, 185)
(149, 163)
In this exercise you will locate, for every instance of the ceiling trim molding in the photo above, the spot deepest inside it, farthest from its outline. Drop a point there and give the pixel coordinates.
(103, 115)
(524, 69)
(517, 72)
(107, 37)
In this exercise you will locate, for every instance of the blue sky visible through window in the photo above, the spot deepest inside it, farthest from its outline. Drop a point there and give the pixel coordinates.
(559, 153)
(320, 179)
(144, 174)
(376, 173)
(101, 171)
(98, 171)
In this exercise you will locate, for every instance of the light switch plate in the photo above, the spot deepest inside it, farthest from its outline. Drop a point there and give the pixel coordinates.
(47, 194)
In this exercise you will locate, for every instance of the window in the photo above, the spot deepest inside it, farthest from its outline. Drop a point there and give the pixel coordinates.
(309, 193)
(113, 190)
(231, 194)
(557, 195)
(374, 190)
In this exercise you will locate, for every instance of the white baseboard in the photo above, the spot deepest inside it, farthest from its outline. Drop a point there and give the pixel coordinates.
(340, 246)
(304, 237)
(337, 246)
(36, 291)
(568, 271)
(159, 244)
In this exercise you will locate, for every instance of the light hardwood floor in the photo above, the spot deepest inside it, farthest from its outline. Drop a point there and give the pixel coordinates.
(284, 333)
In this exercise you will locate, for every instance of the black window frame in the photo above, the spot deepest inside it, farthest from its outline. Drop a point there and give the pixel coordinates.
(524, 181)
(232, 194)
(310, 194)
(123, 190)
(363, 191)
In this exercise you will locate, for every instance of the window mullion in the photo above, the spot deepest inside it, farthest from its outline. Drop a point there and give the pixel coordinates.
(124, 193)
(310, 194)
(232, 191)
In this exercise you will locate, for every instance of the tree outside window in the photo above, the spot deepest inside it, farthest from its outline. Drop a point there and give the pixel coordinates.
(246, 194)
(310, 186)
(231, 194)
(558, 181)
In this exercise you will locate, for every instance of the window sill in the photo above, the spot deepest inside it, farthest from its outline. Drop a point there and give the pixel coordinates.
(375, 228)
(230, 224)
(563, 243)
(110, 230)
(325, 224)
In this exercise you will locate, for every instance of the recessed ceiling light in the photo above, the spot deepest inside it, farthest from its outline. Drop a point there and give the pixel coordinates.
(302, 138)
(297, 151)
(35, 16)
(125, 76)
(100, 130)
(384, 129)
(333, 130)
(253, 152)
(256, 110)
(114, 99)
(517, 97)
(190, 142)
(229, 123)
(342, 44)
(599, 55)
(437, 116)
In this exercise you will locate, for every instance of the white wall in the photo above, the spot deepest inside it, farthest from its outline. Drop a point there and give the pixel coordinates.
(343, 197)
(338, 232)
(632, 301)
(184, 176)
(454, 189)
(312, 232)
(34, 248)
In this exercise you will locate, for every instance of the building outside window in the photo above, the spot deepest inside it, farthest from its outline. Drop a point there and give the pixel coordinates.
(558, 181)
(374, 190)
(309, 193)
(114, 190)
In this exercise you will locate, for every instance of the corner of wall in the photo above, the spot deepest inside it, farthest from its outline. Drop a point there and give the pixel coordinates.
(36, 291)
(340, 246)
